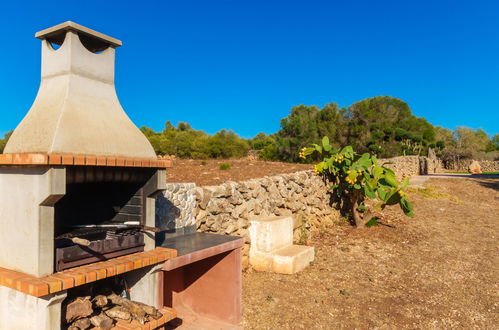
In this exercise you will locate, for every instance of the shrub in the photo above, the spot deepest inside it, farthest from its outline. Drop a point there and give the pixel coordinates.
(224, 166)
(355, 177)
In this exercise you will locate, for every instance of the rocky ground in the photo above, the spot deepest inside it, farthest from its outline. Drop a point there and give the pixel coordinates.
(438, 270)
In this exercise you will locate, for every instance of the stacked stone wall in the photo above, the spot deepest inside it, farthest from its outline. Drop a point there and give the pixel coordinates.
(176, 207)
(463, 164)
(407, 166)
(227, 208)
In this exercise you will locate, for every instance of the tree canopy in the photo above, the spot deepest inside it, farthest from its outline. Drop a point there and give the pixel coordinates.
(185, 142)
(382, 125)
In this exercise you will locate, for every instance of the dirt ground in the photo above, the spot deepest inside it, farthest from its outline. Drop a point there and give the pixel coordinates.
(438, 270)
(208, 172)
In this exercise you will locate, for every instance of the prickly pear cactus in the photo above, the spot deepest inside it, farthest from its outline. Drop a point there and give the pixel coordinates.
(356, 177)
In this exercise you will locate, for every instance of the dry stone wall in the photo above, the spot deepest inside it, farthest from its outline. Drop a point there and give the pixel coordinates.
(407, 166)
(227, 208)
(463, 164)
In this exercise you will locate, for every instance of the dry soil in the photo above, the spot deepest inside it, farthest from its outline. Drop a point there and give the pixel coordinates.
(438, 270)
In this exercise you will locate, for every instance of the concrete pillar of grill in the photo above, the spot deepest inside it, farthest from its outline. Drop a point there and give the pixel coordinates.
(20, 311)
(28, 196)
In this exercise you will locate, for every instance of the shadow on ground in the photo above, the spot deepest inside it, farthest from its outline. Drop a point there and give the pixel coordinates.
(492, 184)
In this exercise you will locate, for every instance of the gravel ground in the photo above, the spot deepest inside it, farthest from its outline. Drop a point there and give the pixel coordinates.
(438, 270)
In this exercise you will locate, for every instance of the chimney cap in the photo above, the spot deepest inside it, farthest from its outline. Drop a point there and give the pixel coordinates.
(59, 30)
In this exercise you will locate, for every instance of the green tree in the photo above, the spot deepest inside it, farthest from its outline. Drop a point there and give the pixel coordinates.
(386, 126)
(4, 141)
(493, 143)
(470, 143)
(267, 145)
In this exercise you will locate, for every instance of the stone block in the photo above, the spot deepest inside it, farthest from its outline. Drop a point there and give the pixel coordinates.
(288, 260)
(268, 234)
(292, 259)
(261, 261)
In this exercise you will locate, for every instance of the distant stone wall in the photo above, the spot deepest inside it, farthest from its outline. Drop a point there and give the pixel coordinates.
(463, 164)
(407, 166)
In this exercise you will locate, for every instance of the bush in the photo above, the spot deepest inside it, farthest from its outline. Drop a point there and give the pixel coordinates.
(186, 142)
(224, 166)
(355, 177)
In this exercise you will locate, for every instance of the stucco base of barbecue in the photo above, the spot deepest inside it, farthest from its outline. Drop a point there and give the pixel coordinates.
(20, 311)
(24, 312)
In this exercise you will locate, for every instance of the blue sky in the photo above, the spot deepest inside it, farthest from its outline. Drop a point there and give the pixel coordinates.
(242, 65)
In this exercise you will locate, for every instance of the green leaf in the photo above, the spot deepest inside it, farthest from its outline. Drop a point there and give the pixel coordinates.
(389, 170)
(404, 184)
(361, 208)
(308, 151)
(406, 206)
(382, 194)
(377, 172)
(317, 147)
(364, 161)
(391, 180)
(393, 199)
(369, 192)
(325, 143)
(356, 186)
(372, 222)
(347, 151)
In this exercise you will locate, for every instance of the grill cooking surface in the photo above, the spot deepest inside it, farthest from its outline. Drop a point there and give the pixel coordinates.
(105, 243)
(94, 234)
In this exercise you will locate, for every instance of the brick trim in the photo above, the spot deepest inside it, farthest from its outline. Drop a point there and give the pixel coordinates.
(34, 159)
(41, 286)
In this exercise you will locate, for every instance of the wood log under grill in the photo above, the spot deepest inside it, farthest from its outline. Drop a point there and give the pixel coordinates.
(104, 311)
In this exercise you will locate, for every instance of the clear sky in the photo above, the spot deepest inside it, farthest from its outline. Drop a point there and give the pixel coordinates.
(242, 65)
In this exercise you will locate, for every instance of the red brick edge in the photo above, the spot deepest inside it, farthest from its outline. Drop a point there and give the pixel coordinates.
(41, 286)
(81, 160)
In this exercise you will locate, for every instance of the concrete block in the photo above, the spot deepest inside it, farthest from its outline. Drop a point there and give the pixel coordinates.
(269, 234)
(292, 259)
(261, 261)
(288, 260)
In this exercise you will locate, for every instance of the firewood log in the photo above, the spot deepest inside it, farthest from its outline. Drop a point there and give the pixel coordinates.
(100, 300)
(119, 312)
(150, 310)
(81, 324)
(79, 308)
(102, 321)
(135, 309)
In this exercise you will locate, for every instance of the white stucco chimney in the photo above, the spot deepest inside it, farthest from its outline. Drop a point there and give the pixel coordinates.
(76, 110)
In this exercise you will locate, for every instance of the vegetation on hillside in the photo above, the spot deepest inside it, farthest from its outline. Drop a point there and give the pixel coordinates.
(3, 141)
(185, 142)
(383, 126)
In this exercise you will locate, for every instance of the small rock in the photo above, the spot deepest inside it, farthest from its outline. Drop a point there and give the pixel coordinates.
(474, 168)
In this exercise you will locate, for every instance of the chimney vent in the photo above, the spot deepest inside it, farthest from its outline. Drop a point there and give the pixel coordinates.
(76, 110)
